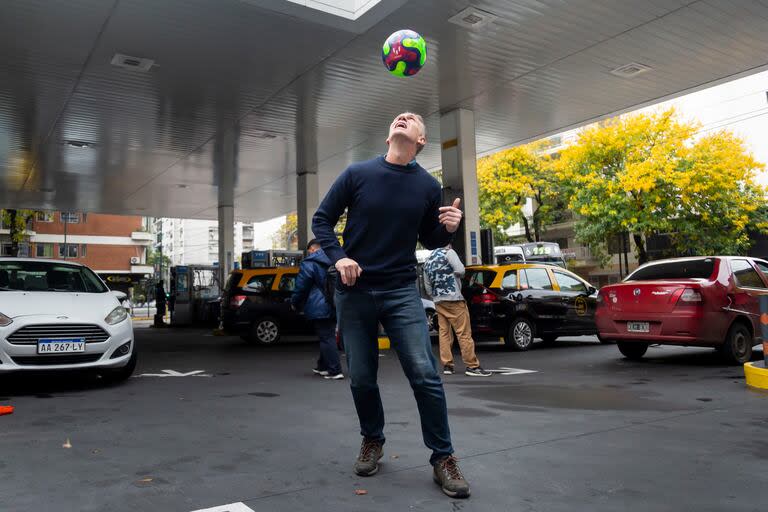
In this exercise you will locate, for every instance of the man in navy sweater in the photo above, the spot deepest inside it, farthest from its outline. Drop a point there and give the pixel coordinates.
(391, 202)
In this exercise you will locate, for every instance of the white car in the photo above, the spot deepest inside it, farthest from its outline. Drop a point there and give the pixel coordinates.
(57, 315)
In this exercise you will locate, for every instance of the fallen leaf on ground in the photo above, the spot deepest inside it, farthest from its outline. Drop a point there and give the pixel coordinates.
(395, 456)
(67, 444)
(361, 492)
(95, 451)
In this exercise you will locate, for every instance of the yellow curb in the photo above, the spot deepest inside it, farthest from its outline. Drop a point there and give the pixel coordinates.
(757, 376)
(383, 343)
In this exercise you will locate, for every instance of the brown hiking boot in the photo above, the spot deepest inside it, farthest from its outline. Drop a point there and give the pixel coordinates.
(448, 476)
(367, 463)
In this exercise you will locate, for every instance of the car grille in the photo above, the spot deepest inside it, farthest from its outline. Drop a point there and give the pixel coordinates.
(30, 334)
(55, 360)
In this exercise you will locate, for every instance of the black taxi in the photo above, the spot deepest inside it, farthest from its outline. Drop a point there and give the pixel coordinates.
(520, 302)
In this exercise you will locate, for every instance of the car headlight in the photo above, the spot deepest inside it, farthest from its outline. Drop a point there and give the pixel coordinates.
(5, 321)
(116, 316)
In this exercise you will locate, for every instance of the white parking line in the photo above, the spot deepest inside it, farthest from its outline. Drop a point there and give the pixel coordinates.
(232, 507)
(511, 371)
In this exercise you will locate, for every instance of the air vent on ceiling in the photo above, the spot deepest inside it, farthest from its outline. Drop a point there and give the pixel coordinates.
(472, 18)
(630, 70)
(134, 63)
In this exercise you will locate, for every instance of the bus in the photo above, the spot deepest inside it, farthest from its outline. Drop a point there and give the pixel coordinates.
(535, 252)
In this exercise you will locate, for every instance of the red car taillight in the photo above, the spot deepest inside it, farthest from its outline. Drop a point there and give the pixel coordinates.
(687, 297)
(237, 301)
(485, 298)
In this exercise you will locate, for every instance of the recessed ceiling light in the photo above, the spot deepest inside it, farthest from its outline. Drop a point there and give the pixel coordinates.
(132, 63)
(81, 144)
(472, 18)
(630, 70)
(182, 185)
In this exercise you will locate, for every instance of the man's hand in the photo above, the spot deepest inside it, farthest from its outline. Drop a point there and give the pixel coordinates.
(349, 271)
(450, 216)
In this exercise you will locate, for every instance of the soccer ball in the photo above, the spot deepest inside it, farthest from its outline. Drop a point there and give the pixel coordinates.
(404, 53)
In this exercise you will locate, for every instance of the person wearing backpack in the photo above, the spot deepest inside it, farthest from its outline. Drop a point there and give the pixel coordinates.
(443, 271)
(310, 294)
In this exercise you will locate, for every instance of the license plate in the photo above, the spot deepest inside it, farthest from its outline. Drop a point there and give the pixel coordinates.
(638, 327)
(60, 346)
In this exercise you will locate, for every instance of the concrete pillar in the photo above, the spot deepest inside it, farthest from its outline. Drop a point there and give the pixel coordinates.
(225, 169)
(308, 199)
(459, 159)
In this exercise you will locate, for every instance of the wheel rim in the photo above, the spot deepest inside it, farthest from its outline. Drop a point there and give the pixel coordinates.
(522, 334)
(432, 321)
(740, 345)
(267, 331)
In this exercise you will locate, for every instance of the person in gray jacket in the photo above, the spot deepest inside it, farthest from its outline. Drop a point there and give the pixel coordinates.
(443, 271)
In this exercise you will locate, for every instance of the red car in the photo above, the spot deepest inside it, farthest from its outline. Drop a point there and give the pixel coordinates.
(701, 302)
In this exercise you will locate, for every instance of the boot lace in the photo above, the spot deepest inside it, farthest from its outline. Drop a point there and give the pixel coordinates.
(368, 450)
(450, 466)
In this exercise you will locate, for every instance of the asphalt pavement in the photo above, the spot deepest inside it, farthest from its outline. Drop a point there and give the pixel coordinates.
(210, 421)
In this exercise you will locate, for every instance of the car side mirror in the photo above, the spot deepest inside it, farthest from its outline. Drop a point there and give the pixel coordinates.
(592, 290)
(256, 287)
(121, 296)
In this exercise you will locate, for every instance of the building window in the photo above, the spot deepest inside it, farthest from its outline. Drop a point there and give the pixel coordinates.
(44, 250)
(82, 251)
(213, 233)
(247, 232)
(5, 249)
(72, 251)
(44, 217)
(70, 217)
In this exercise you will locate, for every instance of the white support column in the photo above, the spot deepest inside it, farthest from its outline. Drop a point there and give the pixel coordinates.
(225, 163)
(459, 159)
(308, 199)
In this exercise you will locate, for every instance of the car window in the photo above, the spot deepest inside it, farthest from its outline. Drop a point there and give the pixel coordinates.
(569, 283)
(510, 280)
(234, 278)
(538, 279)
(745, 275)
(265, 279)
(763, 266)
(479, 278)
(677, 269)
(287, 283)
(33, 276)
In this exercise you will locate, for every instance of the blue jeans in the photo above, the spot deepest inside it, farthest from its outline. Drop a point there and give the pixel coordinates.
(329, 360)
(401, 314)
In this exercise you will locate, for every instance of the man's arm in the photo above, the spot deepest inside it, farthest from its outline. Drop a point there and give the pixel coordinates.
(432, 233)
(327, 216)
(303, 284)
(455, 262)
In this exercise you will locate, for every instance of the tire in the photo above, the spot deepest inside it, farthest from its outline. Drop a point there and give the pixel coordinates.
(737, 348)
(265, 331)
(520, 334)
(118, 375)
(548, 338)
(432, 322)
(632, 350)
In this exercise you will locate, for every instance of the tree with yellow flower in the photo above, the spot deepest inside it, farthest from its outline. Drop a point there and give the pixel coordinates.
(652, 174)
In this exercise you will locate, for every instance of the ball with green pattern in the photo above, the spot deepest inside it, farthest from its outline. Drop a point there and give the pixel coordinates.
(404, 53)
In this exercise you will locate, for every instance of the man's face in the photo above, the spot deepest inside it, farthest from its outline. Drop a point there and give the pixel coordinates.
(313, 248)
(409, 127)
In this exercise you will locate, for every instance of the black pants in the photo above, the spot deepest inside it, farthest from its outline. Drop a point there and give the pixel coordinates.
(325, 329)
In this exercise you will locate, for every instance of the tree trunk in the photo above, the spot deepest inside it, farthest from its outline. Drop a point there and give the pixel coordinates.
(642, 255)
(14, 232)
(527, 227)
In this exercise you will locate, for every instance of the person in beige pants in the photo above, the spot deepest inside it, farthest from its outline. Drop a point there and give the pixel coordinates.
(443, 271)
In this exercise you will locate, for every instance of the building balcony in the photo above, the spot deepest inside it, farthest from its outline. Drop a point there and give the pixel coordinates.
(142, 237)
(142, 269)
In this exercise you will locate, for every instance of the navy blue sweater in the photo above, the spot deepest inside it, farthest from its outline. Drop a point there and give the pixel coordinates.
(388, 208)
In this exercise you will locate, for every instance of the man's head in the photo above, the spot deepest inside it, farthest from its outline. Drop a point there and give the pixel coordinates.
(409, 127)
(313, 246)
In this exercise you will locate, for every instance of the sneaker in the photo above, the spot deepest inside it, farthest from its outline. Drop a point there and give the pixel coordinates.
(477, 372)
(337, 376)
(447, 370)
(367, 463)
(448, 476)
(322, 373)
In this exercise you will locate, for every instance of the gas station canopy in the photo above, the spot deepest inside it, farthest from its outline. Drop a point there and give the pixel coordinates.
(118, 106)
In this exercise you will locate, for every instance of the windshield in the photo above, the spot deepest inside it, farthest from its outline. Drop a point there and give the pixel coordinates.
(682, 269)
(34, 276)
